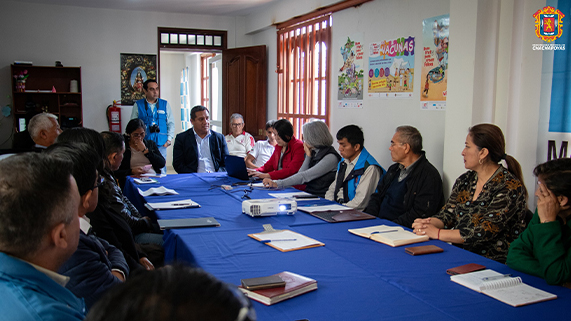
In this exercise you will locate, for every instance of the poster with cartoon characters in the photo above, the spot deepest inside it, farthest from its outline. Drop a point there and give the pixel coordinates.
(434, 79)
(350, 76)
(391, 68)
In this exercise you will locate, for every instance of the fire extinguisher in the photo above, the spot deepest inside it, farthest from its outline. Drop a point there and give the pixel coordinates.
(114, 117)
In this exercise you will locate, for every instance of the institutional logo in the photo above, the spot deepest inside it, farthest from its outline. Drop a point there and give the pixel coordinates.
(548, 23)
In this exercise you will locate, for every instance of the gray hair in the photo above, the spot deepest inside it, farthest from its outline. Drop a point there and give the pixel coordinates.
(236, 116)
(410, 135)
(316, 134)
(35, 196)
(40, 122)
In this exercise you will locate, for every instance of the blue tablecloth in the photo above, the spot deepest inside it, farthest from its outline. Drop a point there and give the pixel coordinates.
(358, 279)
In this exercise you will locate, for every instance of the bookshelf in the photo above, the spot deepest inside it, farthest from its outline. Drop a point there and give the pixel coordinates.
(37, 96)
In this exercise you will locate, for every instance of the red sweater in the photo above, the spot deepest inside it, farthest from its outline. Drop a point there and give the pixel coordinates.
(291, 161)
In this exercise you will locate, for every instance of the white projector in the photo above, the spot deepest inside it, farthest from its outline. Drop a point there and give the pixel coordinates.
(269, 207)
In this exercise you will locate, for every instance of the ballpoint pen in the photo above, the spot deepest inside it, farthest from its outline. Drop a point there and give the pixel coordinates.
(379, 232)
(278, 240)
(497, 277)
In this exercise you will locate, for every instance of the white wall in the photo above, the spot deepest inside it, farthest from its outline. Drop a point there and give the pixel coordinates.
(490, 50)
(377, 20)
(90, 38)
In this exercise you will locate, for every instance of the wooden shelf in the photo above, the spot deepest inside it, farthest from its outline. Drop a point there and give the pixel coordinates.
(31, 102)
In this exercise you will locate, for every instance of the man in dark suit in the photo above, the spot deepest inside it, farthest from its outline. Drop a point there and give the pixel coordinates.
(96, 266)
(199, 149)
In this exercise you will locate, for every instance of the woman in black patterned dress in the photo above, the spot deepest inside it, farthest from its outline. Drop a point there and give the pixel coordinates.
(486, 209)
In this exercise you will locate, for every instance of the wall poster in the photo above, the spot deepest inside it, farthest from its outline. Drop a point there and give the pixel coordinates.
(434, 79)
(391, 68)
(350, 76)
(135, 70)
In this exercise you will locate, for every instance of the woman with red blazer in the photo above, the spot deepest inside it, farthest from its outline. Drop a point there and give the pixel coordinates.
(288, 154)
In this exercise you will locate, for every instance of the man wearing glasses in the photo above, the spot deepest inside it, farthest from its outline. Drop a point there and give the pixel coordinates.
(96, 266)
(412, 187)
(239, 142)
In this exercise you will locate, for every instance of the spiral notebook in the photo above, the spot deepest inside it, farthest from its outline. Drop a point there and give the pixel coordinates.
(510, 290)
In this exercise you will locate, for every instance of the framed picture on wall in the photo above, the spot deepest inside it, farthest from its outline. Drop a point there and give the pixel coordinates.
(135, 70)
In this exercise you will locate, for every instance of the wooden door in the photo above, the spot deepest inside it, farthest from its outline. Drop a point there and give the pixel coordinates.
(244, 85)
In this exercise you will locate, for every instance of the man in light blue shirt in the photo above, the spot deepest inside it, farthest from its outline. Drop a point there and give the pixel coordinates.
(199, 149)
(157, 116)
(39, 203)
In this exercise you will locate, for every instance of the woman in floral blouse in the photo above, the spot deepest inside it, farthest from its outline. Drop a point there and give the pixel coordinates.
(487, 206)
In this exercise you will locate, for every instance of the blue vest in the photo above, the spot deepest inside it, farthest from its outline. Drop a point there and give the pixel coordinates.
(150, 118)
(350, 185)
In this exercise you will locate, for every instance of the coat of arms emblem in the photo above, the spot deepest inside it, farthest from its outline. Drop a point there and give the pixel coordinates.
(548, 23)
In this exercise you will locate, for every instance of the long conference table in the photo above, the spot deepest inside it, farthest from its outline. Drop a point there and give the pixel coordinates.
(357, 278)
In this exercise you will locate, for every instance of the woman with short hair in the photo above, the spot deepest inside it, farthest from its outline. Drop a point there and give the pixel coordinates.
(320, 164)
(288, 154)
(487, 206)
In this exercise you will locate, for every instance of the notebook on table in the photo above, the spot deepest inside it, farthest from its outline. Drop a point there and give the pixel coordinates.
(335, 213)
(510, 290)
(389, 235)
(295, 285)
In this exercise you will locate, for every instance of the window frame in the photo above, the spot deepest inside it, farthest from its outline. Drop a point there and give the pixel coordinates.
(308, 96)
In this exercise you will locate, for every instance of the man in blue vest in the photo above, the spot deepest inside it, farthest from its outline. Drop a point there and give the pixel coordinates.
(412, 187)
(357, 174)
(39, 203)
(157, 115)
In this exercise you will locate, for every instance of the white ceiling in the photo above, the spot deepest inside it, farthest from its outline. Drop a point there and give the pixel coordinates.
(210, 7)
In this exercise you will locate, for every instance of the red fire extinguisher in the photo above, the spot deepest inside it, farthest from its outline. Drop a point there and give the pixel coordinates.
(114, 117)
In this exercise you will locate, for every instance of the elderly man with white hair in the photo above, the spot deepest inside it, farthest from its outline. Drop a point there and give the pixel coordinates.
(44, 129)
(239, 142)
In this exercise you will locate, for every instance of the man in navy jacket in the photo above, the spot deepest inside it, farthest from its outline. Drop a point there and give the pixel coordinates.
(199, 149)
(95, 266)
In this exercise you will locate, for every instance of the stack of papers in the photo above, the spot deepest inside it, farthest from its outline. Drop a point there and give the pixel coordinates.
(173, 205)
(298, 196)
(158, 191)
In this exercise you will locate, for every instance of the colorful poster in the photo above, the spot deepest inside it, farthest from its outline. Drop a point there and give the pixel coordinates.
(350, 77)
(391, 68)
(434, 79)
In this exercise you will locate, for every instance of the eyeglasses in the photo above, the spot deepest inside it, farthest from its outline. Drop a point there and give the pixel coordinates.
(237, 125)
(247, 312)
(393, 144)
(100, 182)
(137, 135)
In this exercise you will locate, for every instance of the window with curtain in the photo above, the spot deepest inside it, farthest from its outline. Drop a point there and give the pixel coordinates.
(303, 71)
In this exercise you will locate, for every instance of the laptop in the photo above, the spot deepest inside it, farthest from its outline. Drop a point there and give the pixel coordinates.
(236, 167)
(188, 222)
(341, 216)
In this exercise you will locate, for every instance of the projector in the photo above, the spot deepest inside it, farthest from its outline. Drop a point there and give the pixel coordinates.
(269, 207)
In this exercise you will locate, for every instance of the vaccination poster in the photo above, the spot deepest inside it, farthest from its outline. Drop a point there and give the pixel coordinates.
(350, 73)
(391, 68)
(434, 79)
